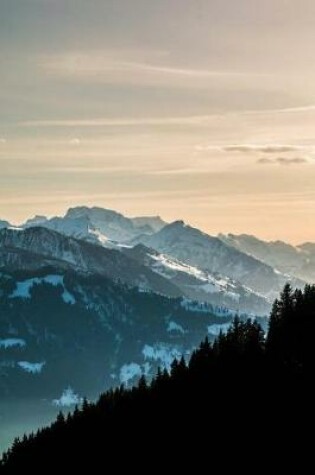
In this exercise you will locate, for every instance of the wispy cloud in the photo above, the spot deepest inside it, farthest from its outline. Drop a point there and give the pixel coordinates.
(138, 70)
(282, 161)
(172, 71)
(290, 161)
(119, 122)
(268, 148)
(101, 64)
(284, 110)
(3, 140)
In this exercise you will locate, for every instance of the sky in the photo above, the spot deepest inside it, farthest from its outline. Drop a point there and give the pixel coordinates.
(202, 110)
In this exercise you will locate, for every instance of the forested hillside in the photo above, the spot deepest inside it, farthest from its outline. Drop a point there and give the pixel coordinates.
(226, 396)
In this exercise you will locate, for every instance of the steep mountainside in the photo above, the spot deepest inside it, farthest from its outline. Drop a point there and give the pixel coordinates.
(211, 254)
(200, 285)
(36, 248)
(80, 331)
(40, 247)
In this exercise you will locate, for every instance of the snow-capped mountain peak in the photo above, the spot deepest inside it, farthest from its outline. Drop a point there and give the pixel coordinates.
(101, 226)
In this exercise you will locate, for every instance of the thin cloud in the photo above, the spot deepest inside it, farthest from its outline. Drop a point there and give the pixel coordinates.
(101, 65)
(290, 161)
(284, 110)
(151, 68)
(268, 149)
(119, 122)
(282, 161)
(262, 148)
(100, 68)
(3, 140)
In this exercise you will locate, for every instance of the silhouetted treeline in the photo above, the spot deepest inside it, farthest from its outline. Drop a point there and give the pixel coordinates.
(245, 394)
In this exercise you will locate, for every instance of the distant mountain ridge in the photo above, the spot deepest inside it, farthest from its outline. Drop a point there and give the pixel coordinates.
(258, 270)
(293, 260)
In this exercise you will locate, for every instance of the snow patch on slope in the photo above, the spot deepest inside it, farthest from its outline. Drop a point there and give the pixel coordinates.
(129, 371)
(34, 368)
(23, 288)
(194, 306)
(133, 370)
(68, 398)
(12, 342)
(168, 267)
(162, 353)
(163, 262)
(101, 238)
(175, 327)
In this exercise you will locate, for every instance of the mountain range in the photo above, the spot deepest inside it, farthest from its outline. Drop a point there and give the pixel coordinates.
(94, 299)
(243, 272)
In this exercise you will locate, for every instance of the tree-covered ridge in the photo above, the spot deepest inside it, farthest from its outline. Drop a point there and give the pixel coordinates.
(238, 386)
(291, 328)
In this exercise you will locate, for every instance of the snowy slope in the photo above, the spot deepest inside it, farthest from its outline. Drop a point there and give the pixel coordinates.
(198, 284)
(23, 289)
(36, 248)
(212, 255)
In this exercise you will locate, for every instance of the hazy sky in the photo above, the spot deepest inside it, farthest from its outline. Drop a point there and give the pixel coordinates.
(195, 109)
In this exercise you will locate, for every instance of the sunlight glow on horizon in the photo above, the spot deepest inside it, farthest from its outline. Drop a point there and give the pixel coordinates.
(205, 112)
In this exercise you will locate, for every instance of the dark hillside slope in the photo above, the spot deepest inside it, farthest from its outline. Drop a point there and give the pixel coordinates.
(241, 396)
